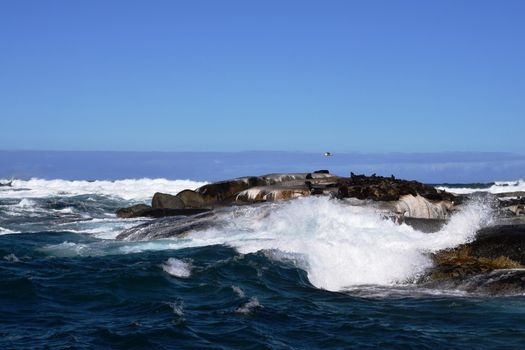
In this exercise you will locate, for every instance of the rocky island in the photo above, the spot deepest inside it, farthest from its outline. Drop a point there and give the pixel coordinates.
(493, 262)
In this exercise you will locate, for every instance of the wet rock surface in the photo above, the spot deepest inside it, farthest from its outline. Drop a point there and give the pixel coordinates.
(494, 262)
(498, 282)
(133, 211)
(167, 201)
(142, 210)
(168, 227)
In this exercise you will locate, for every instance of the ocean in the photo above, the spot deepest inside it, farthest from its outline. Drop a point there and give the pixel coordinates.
(308, 274)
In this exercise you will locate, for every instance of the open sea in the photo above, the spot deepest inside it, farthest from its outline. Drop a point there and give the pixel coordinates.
(311, 274)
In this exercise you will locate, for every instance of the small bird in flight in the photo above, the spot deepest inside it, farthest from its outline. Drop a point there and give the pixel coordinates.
(328, 154)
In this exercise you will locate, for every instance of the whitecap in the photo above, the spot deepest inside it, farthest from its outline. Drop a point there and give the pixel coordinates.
(11, 258)
(238, 291)
(6, 231)
(26, 203)
(177, 268)
(497, 187)
(248, 307)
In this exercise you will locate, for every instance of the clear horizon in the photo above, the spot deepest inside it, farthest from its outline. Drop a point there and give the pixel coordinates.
(452, 167)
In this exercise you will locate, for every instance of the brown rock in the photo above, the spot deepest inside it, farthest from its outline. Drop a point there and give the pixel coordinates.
(192, 199)
(164, 200)
(133, 211)
(496, 247)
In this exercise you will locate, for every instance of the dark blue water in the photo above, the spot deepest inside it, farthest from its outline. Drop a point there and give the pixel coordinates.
(229, 301)
(66, 284)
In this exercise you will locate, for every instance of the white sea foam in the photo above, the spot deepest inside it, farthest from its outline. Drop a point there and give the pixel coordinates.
(66, 210)
(26, 203)
(5, 231)
(131, 189)
(498, 187)
(338, 245)
(341, 246)
(238, 291)
(178, 308)
(247, 308)
(11, 258)
(177, 268)
(103, 228)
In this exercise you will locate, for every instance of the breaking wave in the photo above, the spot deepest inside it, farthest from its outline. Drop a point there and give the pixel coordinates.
(339, 246)
(497, 187)
(130, 189)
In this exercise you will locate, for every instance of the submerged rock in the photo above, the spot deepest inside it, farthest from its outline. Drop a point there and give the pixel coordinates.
(499, 282)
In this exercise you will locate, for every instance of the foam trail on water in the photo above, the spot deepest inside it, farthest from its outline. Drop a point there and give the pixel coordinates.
(5, 231)
(131, 189)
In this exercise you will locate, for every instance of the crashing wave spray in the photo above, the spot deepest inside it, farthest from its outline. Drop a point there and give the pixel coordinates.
(340, 245)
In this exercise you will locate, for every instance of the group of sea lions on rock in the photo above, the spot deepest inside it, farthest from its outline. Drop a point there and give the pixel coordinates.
(493, 263)
(405, 198)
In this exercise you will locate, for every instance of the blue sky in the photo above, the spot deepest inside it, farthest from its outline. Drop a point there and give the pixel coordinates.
(345, 76)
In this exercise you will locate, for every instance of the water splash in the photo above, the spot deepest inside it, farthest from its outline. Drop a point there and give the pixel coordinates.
(338, 245)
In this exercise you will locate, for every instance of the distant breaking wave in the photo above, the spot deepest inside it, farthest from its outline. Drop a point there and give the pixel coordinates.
(129, 189)
(497, 187)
